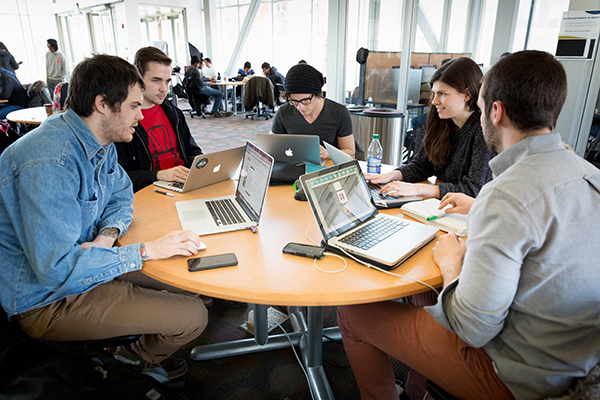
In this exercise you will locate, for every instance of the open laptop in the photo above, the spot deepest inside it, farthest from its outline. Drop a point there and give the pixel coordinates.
(342, 205)
(291, 149)
(236, 212)
(208, 169)
(381, 200)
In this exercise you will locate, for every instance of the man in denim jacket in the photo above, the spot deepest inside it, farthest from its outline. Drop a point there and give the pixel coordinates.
(64, 200)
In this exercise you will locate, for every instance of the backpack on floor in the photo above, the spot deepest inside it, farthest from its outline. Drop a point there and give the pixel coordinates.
(39, 369)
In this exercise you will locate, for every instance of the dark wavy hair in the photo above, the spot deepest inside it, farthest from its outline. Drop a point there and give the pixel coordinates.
(464, 75)
(101, 75)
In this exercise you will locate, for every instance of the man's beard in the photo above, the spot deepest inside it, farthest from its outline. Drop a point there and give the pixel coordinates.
(491, 137)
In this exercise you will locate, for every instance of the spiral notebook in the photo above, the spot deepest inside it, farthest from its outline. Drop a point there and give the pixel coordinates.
(421, 210)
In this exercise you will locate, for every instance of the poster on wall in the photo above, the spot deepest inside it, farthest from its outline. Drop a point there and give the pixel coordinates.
(578, 35)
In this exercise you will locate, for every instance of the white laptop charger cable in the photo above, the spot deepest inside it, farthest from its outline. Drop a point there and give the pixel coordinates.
(363, 263)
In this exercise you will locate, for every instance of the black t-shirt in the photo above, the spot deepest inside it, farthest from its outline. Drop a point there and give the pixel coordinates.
(333, 122)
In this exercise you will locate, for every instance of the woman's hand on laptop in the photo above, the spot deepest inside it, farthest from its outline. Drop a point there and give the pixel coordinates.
(172, 244)
(384, 178)
(176, 174)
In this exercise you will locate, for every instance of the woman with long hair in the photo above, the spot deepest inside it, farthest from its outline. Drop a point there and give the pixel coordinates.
(7, 61)
(453, 147)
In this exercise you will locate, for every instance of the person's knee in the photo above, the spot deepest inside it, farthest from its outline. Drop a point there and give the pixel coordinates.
(198, 318)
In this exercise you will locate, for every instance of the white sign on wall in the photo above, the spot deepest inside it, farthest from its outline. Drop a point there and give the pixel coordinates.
(578, 36)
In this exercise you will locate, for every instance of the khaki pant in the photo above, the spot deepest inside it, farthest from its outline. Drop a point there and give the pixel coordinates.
(166, 320)
(373, 332)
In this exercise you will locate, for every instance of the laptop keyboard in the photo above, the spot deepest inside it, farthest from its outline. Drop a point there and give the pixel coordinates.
(374, 232)
(178, 185)
(224, 212)
(375, 188)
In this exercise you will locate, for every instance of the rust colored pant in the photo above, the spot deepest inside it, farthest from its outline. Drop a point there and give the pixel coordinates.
(373, 332)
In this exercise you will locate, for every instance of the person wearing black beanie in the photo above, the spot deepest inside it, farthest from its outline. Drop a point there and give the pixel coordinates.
(307, 112)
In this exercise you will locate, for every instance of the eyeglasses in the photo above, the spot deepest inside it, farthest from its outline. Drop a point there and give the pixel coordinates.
(304, 102)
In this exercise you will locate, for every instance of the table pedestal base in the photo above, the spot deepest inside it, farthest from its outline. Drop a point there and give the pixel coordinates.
(308, 335)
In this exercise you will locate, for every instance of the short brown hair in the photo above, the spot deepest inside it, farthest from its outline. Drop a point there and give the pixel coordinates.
(464, 75)
(532, 86)
(103, 75)
(149, 54)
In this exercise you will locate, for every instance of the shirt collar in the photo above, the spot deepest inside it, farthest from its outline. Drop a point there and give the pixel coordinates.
(90, 144)
(530, 145)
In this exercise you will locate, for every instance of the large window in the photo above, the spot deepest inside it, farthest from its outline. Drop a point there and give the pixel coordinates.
(545, 24)
(486, 34)
(164, 28)
(282, 33)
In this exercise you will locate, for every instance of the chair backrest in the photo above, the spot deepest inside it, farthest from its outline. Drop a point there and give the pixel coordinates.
(193, 92)
(259, 88)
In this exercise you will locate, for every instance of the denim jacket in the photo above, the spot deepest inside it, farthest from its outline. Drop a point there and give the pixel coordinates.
(58, 188)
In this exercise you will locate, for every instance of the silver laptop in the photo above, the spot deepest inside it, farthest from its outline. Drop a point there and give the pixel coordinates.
(381, 200)
(292, 149)
(342, 205)
(208, 169)
(232, 213)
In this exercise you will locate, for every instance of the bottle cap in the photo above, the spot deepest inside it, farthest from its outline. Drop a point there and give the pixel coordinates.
(376, 136)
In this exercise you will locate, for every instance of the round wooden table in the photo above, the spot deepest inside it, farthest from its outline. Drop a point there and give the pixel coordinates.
(33, 115)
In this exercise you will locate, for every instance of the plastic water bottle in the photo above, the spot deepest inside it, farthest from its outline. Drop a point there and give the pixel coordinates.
(374, 155)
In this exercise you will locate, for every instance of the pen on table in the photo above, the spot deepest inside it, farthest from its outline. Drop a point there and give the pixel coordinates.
(437, 216)
(165, 193)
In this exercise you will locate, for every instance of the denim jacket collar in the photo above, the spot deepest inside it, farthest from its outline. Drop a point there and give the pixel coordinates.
(83, 133)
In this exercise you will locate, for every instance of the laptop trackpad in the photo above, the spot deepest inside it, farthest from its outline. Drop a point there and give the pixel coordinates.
(193, 215)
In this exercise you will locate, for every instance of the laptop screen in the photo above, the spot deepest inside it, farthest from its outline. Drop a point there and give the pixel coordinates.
(339, 197)
(254, 180)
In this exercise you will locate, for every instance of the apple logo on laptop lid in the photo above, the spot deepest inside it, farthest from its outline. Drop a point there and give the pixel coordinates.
(289, 152)
(217, 168)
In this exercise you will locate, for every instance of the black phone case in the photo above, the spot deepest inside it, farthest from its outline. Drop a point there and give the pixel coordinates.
(289, 249)
(210, 264)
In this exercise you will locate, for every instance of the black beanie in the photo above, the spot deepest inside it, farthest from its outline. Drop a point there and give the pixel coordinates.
(303, 78)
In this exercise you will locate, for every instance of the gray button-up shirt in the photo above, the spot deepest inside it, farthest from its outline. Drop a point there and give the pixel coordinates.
(528, 291)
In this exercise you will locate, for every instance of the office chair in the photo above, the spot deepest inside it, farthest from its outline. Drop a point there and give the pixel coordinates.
(198, 100)
(259, 93)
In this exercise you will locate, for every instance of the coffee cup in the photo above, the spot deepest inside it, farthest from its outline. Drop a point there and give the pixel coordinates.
(48, 108)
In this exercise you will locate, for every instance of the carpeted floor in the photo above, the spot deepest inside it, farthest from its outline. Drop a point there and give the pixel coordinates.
(273, 374)
(215, 134)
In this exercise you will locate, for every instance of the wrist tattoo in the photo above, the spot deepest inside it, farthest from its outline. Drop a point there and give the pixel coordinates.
(110, 232)
(143, 252)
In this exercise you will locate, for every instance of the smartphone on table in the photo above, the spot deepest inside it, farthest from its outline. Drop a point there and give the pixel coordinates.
(304, 250)
(210, 262)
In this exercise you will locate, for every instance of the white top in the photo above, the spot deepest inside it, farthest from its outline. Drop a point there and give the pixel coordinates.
(209, 72)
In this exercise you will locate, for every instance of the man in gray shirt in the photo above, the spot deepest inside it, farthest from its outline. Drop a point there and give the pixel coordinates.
(518, 316)
(56, 66)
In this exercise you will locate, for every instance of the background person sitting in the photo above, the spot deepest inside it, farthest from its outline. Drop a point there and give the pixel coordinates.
(276, 77)
(7, 60)
(307, 112)
(12, 90)
(192, 73)
(247, 70)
